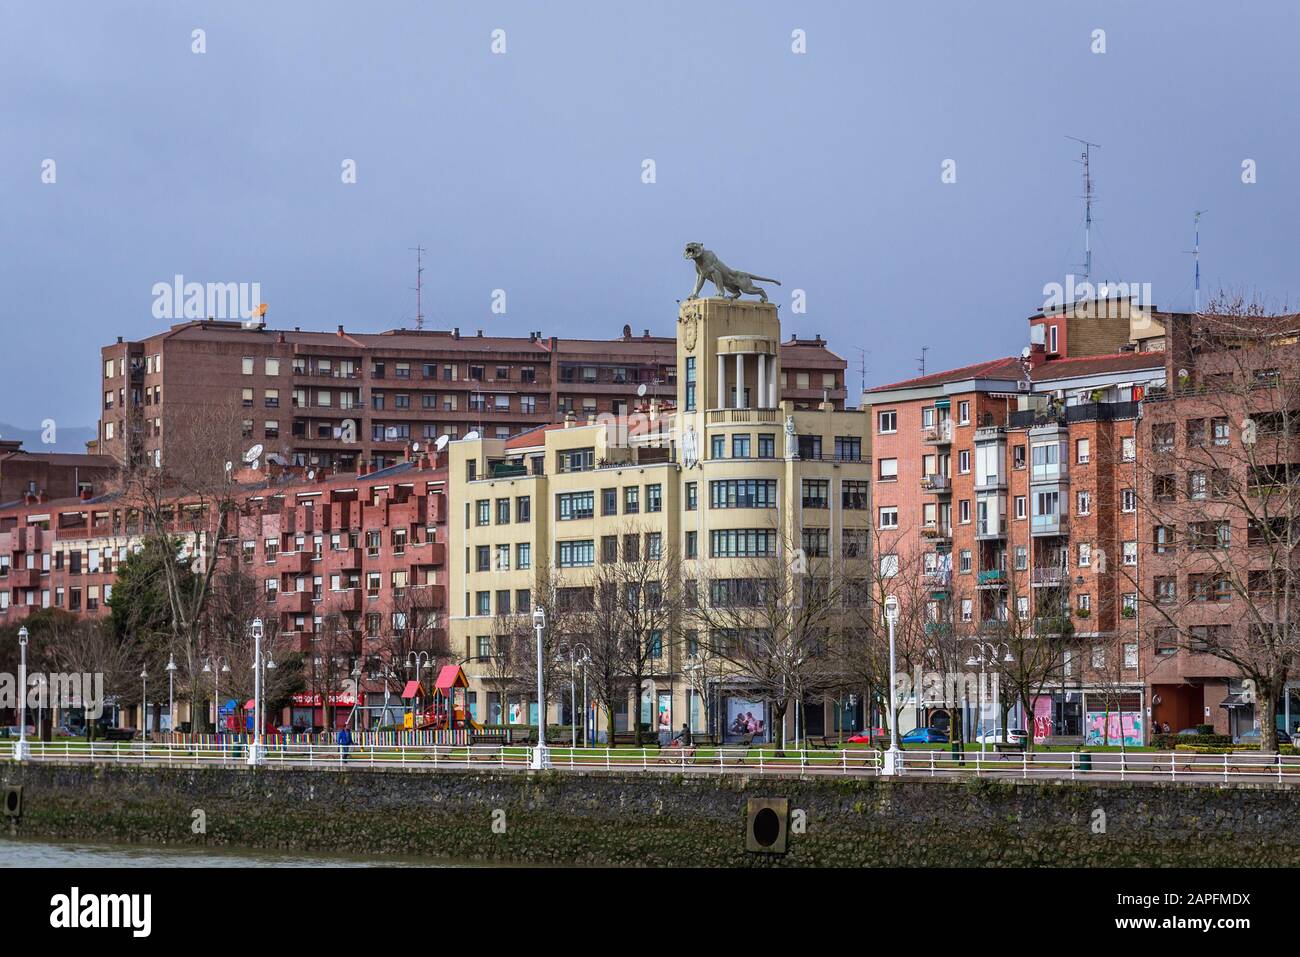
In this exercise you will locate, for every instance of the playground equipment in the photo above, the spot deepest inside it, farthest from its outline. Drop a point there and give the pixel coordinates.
(448, 705)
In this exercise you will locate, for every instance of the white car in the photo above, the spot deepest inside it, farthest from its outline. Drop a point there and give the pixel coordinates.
(1001, 736)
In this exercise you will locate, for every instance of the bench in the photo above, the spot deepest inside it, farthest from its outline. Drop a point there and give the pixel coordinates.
(628, 739)
(823, 741)
(1002, 746)
(487, 737)
(675, 754)
(523, 737)
(743, 744)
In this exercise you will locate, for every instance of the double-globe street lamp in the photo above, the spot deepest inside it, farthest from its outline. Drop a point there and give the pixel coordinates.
(988, 651)
(892, 764)
(256, 754)
(216, 665)
(574, 661)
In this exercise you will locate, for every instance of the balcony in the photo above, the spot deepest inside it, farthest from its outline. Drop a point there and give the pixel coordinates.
(938, 578)
(1051, 577)
(1048, 526)
(294, 563)
(742, 416)
(940, 434)
(349, 599)
(1057, 626)
(938, 484)
(992, 578)
(25, 578)
(294, 602)
(987, 530)
(937, 533)
(348, 558)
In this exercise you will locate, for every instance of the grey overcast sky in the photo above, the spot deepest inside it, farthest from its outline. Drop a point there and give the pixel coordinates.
(523, 171)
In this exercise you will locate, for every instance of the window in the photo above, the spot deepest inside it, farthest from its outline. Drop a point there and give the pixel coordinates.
(1020, 506)
(654, 498)
(1130, 553)
(576, 554)
(963, 462)
(483, 512)
(963, 412)
(690, 383)
(1018, 457)
(740, 446)
(888, 566)
(483, 558)
(503, 511)
(609, 501)
(967, 610)
(1021, 558)
(742, 493)
(1083, 451)
(1085, 554)
(855, 543)
(887, 422)
(718, 447)
(524, 508)
(816, 542)
(853, 495)
(766, 445)
(742, 542)
(692, 496)
(1084, 604)
(248, 365)
(575, 505)
(888, 470)
(963, 511)
(848, 448)
(1162, 437)
(692, 544)
(889, 516)
(1128, 449)
(1220, 431)
(965, 562)
(483, 603)
(1128, 500)
(577, 460)
(1083, 502)
(631, 500)
(816, 493)
(1197, 487)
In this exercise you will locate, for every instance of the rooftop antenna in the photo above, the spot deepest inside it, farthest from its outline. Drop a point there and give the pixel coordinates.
(862, 366)
(1087, 205)
(921, 359)
(1196, 253)
(419, 284)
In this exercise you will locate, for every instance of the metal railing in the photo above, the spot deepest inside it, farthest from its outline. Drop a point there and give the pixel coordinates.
(1154, 766)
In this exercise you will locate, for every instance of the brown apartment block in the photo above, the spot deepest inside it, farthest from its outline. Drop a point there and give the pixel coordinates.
(25, 474)
(341, 399)
(1012, 484)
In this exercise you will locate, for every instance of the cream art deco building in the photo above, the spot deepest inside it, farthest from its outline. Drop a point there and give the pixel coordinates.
(683, 501)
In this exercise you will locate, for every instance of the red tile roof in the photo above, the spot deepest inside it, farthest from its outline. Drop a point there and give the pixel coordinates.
(1006, 368)
(1096, 365)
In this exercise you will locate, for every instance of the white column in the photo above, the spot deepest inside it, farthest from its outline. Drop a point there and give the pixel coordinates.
(740, 380)
(761, 390)
(771, 384)
(722, 381)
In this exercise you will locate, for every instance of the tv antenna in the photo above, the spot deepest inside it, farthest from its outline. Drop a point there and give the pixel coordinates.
(862, 366)
(920, 360)
(419, 286)
(1085, 159)
(1196, 253)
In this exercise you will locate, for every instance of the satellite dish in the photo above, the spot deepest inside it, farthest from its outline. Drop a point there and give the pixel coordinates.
(471, 436)
(230, 467)
(253, 454)
(415, 446)
(311, 475)
(640, 391)
(390, 432)
(441, 443)
(1025, 352)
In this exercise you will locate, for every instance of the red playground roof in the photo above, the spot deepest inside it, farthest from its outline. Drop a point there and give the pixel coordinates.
(412, 690)
(451, 677)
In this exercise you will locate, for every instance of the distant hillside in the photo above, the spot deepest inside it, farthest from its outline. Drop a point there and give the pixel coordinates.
(71, 438)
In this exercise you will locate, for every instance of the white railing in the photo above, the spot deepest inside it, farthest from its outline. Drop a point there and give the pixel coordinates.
(1074, 765)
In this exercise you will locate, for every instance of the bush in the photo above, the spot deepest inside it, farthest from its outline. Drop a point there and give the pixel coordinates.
(1167, 742)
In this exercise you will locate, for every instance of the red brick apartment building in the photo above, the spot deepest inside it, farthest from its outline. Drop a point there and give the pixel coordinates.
(53, 474)
(339, 399)
(344, 563)
(1015, 482)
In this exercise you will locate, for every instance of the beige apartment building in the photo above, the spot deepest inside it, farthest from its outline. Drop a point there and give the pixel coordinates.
(733, 473)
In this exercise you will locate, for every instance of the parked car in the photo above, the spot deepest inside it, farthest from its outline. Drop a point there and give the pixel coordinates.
(869, 736)
(1003, 736)
(1253, 736)
(924, 736)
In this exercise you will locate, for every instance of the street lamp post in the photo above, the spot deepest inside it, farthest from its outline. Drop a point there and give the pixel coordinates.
(986, 651)
(541, 756)
(20, 749)
(255, 755)
(144, 704)
(892, 764)
(171, 696)
(208, 666)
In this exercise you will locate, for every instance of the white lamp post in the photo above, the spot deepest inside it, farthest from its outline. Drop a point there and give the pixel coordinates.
(255, 755)
(216, 687)
(171, 696)
(541, 757)
(20, 749)
(144, 704)
(892, 764)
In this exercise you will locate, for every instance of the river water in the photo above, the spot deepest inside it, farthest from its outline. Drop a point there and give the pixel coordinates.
(22, 852)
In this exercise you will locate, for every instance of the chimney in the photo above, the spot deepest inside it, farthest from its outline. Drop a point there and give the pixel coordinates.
(480, 333)
(119, 340)
(340, 330)
(279, 337)
(627, 333)
(84, 495)
(1037, 354)
(817, 338)
(455, 333)
(570, 420)
(646, 334)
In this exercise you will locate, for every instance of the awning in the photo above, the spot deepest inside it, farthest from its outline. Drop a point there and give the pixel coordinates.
(1236, 701)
